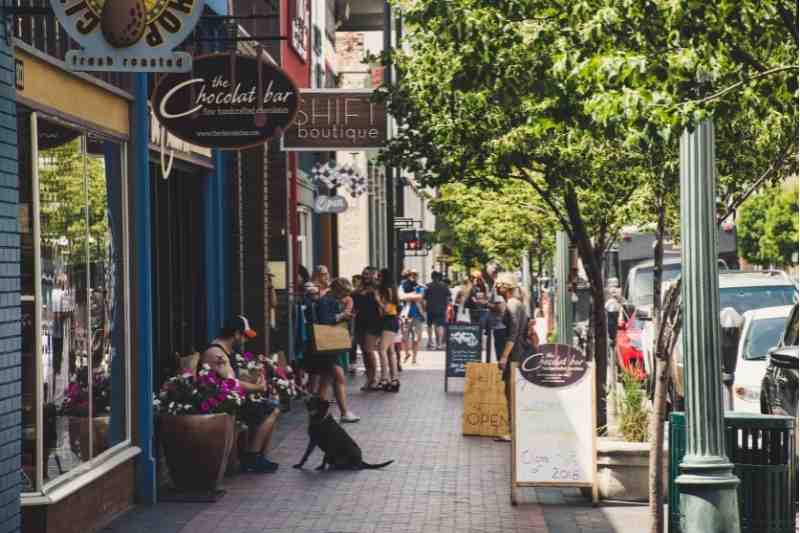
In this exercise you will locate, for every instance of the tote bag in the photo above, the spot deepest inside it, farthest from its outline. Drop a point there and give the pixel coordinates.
(330, 340)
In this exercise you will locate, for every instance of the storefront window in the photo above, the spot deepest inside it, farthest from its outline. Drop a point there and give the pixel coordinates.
(75, 366)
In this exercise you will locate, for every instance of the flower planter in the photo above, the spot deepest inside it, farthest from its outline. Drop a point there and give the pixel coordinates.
(623, 470)
(196, 448)
(79, 435)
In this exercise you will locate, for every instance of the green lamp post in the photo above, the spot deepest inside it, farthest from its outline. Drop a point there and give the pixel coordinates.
(563, 299)
(707, 484)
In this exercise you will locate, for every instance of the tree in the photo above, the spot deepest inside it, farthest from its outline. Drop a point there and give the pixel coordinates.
(503, 224)
(780, 240)
(485, 95)
(768, 227)
(750, 228)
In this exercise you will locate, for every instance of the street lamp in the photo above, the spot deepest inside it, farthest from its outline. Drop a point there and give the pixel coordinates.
(707, 483)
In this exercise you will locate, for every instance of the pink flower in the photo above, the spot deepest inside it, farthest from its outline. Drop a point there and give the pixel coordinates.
(248, 356)
(222, 396)
(205, 407)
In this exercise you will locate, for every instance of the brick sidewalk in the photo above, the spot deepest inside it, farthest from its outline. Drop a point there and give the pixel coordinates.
(440, 482)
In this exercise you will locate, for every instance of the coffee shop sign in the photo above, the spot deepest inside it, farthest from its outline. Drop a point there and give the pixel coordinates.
(128, 35)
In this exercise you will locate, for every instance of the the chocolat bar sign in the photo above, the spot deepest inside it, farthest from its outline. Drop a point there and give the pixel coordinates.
(128, 35)
(554, 365)
(227, 101)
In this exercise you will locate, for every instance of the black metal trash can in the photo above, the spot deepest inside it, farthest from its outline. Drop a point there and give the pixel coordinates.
(763, 449)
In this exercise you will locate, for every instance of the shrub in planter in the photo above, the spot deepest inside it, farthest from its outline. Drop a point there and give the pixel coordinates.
(623, 465)
(196, 421)
(76, 407)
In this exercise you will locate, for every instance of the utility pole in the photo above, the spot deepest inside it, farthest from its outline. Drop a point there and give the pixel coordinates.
(707, 483)
(399, 191)
(391, 245)
(563, 299)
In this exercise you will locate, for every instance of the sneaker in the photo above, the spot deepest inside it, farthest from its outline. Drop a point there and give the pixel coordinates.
(349, 418)
(430, 346)
(258, 464)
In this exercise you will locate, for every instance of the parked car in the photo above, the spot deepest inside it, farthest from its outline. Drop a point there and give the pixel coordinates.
(630, 355)
(780, 383)
(743, 291)
(762, 331)
(639, 283)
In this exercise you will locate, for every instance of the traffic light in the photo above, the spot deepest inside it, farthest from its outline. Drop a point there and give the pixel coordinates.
(416, 240)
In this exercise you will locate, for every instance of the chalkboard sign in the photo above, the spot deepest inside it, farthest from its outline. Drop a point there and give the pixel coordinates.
(463, 346)
(554, 434)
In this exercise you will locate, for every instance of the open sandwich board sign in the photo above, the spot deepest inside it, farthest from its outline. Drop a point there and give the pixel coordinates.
(554, 440)
(463, 345)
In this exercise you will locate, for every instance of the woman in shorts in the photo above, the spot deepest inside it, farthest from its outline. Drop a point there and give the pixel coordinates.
(390, 325)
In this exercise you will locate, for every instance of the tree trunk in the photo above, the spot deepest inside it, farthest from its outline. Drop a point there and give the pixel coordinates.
(660, 394)
(591, 254)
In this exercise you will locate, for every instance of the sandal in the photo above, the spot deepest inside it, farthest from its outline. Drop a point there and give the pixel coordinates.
(370, 387)
(383, 385)
(394, 386)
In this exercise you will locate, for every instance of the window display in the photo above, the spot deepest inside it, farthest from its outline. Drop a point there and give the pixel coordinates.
(75, 356)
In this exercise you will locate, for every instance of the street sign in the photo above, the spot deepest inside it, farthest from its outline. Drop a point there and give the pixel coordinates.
(128, 35)
(336, 119)
(228, 101)
(462, 346)
(554, 436)
(330, 204)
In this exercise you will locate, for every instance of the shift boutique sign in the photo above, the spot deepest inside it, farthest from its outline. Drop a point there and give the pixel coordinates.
(337, 119)
(128, 35)
(227, 102)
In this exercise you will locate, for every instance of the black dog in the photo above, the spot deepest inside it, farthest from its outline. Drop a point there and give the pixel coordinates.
(341, 451)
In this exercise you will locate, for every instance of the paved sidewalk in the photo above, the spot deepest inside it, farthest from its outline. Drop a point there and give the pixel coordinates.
(440, 482)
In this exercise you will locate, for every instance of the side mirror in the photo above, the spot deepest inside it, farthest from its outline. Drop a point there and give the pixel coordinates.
(643, 314)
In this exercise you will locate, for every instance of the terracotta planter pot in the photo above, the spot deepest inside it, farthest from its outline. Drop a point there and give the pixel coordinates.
(196, 448)
(79, 435)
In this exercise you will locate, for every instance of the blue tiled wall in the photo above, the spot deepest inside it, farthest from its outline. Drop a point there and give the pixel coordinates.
(10, 311)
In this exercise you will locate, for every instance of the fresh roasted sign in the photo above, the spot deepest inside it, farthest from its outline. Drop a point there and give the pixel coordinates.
(228, 102)
(128, 35)
(337, 119)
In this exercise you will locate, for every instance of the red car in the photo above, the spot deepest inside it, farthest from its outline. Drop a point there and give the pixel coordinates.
(629, 346)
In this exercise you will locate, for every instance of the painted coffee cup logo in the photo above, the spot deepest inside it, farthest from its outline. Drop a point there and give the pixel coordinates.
(128, 35)
(554, 365)
(226, 102)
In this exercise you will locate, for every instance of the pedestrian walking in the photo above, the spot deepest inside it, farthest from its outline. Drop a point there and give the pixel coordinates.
(436, 298)
(496, 304)
(356, 285)
(368, 325)
(321, 278)
(387, 296)
(460, 296)
(333, 310)
(411, 293)
(517, 331)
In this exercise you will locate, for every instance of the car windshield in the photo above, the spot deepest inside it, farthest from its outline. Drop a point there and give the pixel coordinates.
(748, 298)
(641, 289)
(763, 335)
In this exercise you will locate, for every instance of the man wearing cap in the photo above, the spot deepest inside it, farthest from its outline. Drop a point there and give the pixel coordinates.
(411, 294)
(260, 417)
(516, 318)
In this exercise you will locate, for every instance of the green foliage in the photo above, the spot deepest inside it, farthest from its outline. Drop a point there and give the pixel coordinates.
(67, 179)
(633, 413)
(750, 227)
(503, 224)
(768, 227)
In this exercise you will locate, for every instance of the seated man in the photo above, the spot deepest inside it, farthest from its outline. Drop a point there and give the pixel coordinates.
(259, 416)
